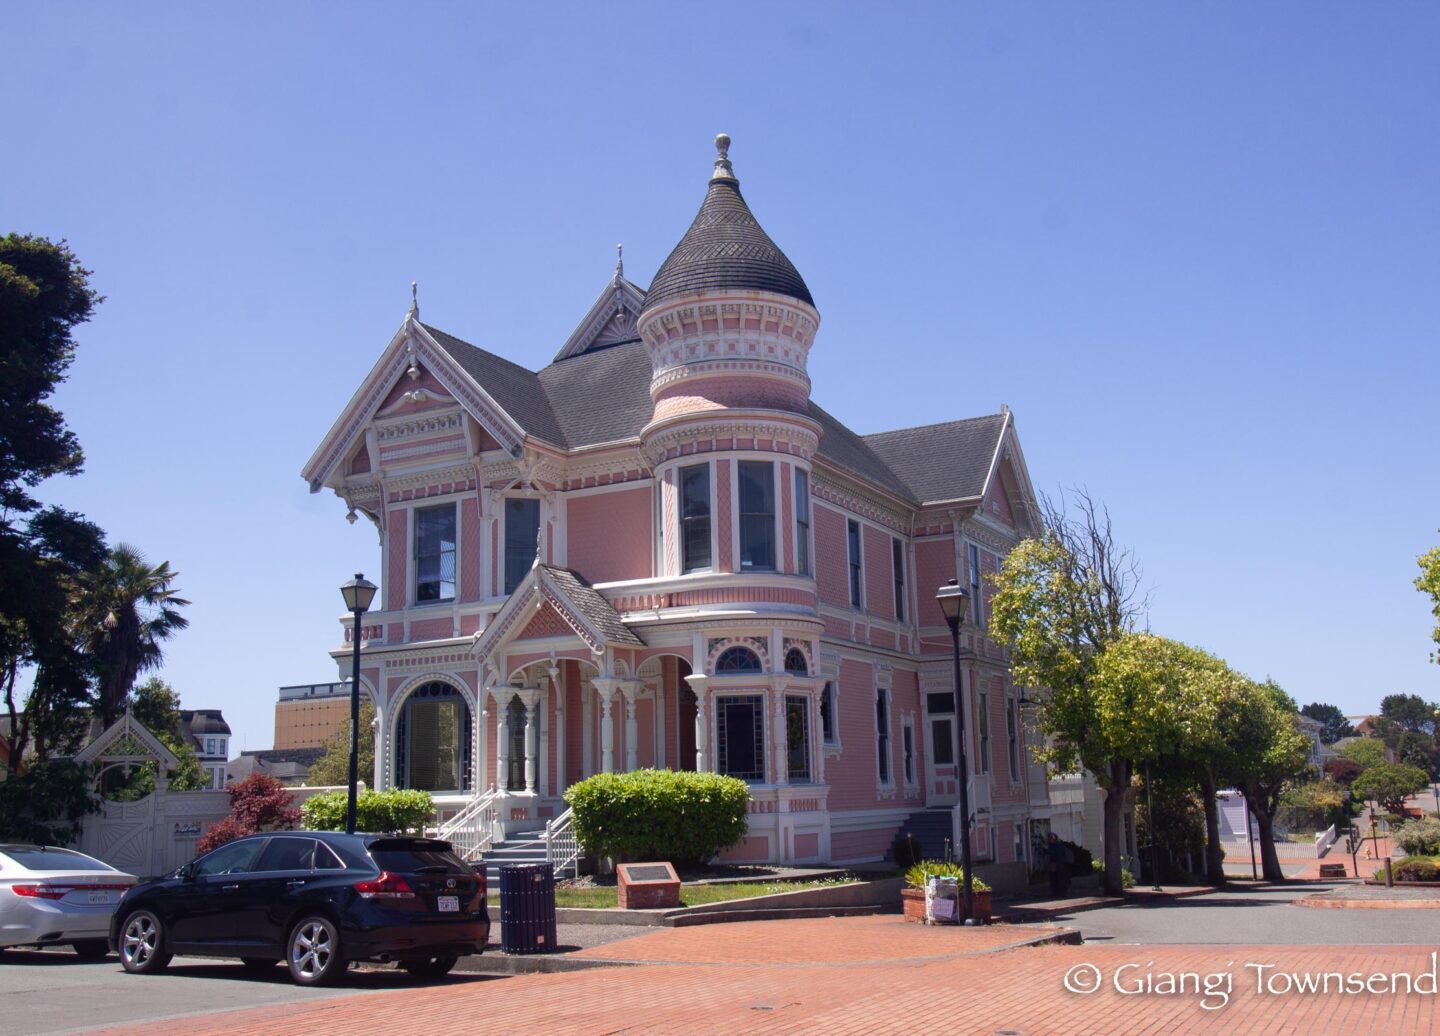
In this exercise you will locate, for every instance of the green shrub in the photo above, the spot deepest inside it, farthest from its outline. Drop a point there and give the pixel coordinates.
(1127, 880)
(685, 818)
(398, 810)
(1419, 837)
(919, 871)
(1414, 868)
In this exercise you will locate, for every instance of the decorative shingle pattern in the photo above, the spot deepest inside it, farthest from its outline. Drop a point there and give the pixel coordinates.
(725, 248)
(599, 611)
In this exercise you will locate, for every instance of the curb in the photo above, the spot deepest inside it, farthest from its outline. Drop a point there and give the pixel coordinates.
(499, 964)
(1023, 914)
(1321, 903)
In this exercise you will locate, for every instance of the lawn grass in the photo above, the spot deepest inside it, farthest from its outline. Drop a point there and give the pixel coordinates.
(604, 897)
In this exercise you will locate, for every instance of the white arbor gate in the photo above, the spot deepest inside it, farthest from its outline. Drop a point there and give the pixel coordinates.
(153, 835)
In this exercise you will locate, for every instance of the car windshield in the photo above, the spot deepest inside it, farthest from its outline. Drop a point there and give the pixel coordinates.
(410, 857)
(36, 858)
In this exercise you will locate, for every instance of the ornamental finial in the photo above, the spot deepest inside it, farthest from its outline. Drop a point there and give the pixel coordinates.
(619, 261)
(723, 171)
(414, 300)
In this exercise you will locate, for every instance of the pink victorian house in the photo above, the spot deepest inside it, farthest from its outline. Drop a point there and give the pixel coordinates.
(659, 552)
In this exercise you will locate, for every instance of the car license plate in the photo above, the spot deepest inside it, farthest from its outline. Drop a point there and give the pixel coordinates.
(100, 897)
(447, 904)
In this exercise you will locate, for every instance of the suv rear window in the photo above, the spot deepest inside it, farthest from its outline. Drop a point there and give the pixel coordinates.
(410, 856)
(38, 859)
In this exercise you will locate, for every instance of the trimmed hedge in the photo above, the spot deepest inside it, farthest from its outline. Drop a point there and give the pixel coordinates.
(396, 811)
(678, 816)
(1419, 837)
(1413, 868)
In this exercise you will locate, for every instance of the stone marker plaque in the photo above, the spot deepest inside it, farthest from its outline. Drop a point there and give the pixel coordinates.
(647, 886)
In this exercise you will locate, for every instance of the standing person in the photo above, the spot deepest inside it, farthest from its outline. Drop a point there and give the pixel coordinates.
(1057, 857)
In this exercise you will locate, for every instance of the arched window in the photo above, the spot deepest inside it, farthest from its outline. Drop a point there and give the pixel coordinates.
(737, 660)
(433, 740)
(795, 662)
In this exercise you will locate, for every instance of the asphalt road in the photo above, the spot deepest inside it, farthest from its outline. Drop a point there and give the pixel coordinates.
(49, 992)
(1239, 915)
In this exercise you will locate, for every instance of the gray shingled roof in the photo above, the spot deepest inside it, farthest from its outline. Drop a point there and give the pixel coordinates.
(603, 396)
(946, 461)
(725, 248)
(600, 612)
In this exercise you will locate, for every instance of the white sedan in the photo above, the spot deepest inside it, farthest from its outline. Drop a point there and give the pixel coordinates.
(51, 896)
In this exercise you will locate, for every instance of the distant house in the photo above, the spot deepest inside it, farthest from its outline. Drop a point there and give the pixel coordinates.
(289, 766)
(210, 735)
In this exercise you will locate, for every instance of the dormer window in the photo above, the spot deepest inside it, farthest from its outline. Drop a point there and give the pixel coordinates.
(435, 553)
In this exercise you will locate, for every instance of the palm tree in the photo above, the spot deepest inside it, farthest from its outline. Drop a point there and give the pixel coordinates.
(132, 609)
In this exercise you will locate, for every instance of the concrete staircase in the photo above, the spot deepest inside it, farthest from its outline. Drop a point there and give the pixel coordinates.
(518, 847)
(933, 830)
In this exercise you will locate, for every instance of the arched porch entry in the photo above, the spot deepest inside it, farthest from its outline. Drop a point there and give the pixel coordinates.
(432, 734)
(674, 708)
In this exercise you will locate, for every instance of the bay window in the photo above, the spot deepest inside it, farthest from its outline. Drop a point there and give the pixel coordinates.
(695, 517)
(757, 516)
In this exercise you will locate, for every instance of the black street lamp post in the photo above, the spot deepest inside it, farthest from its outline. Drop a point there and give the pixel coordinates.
(953, 600)
(358, 594)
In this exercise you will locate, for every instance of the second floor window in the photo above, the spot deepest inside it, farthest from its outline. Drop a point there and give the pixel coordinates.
(882, 733)
(695, 517)
(435, 553)
(984, 724)
(828, 729)
(975, 602)
(802, 522)
(757, 516)
(897, 559)
(522, 528)
(852, 535)
(1012, 731)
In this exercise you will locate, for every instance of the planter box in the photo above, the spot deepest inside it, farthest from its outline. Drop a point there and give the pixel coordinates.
(913, 900)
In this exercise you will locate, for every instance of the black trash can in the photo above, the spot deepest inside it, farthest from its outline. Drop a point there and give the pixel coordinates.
(527, 908)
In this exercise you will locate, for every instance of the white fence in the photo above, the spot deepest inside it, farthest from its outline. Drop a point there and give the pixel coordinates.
(1324, 840)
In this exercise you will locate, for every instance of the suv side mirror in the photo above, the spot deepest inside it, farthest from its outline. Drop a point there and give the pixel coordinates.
(187, 872)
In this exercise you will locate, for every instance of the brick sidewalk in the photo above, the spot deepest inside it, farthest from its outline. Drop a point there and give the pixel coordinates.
(1369, 864)
(795, 977)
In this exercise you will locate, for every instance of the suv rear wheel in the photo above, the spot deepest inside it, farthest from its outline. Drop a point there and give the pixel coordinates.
(313, 952)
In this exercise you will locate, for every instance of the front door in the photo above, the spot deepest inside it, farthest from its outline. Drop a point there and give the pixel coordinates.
(942, 784)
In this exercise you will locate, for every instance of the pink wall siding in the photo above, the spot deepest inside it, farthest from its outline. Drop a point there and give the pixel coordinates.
(720, 517)
(831, 561)
(859, 845)
(397, 546)
(469, 549)
(998, 501)
(852, 777)
(935, 560)
(611, 535)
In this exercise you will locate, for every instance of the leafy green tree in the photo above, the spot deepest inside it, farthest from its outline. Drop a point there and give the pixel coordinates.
(44, 296)
(46, 803)
(1273, 752)
(333, 767)
(1410, 711)
(1061, 602)
(1420, 750)
(1212, 757)
(1428, 583)
(132, 608)
(1390, 784)
(1366, 751)
(1335, 726)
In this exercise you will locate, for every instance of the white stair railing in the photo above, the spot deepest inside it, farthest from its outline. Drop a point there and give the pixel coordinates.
(562, 848)
(472, 830)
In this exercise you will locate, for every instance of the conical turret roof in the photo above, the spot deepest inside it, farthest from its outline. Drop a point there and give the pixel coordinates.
(725, 248)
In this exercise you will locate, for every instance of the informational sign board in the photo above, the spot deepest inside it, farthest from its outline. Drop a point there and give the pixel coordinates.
(647, 886)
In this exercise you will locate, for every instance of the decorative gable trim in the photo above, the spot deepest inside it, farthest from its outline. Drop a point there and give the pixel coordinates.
(535, 591)
(612, 319)
(411, 345)
(127, 727)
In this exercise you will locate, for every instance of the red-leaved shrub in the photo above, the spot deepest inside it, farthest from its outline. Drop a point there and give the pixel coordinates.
(258, 803)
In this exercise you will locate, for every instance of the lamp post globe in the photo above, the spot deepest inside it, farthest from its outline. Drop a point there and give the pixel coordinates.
(358, 593)
(953, 600)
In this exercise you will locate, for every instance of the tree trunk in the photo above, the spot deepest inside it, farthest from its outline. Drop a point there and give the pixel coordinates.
(1214, 855)
(1116, 793)
(1270, 868)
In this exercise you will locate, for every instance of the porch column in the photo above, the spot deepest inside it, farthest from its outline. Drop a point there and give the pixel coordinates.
(631, 688)
(702, 724)
(559, 693)
(530, 698)
(605, 688)
(502, 740)
(780, 740)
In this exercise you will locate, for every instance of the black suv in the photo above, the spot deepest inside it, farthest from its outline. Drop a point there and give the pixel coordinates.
(316, 900)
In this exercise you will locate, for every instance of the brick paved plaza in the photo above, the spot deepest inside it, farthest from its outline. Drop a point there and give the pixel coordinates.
(870, 975)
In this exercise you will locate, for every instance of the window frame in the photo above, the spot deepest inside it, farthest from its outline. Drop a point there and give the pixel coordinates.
(801, 703)
(505, 588)
(897, 562)
(761, 519)
(1012, 731)
(830, 692)
(855, 556)
(709, 519)
(977, 597)
(909, 756)
(982, 731)
(415, 558)
(722, 703)
(885, 771)
(802, 522)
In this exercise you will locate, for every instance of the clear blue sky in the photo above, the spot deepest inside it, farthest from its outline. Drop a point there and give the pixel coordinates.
(1194, 247)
